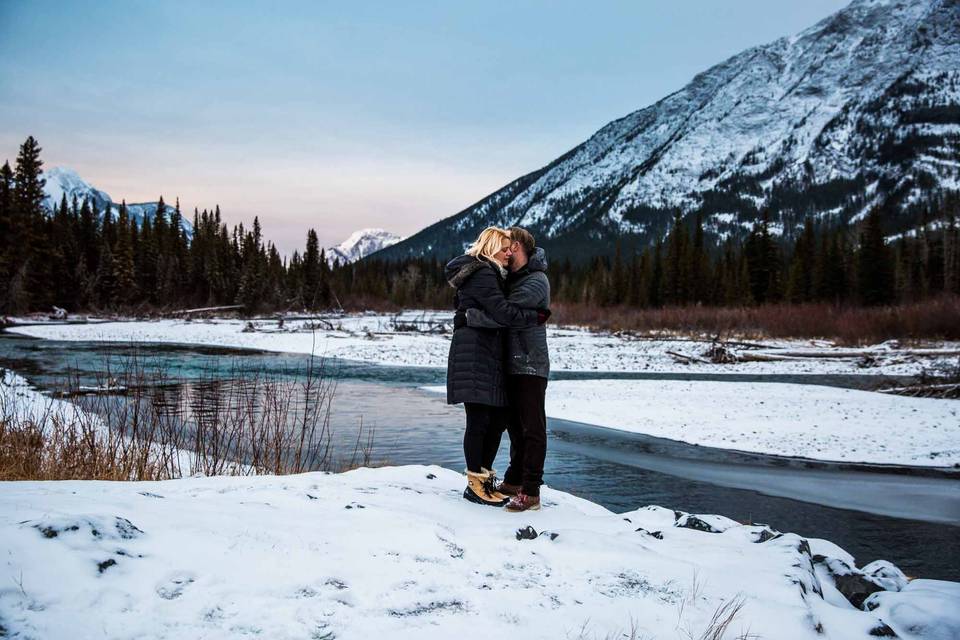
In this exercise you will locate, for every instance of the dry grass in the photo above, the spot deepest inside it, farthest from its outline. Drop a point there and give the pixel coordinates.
(161, 428)
(937, 319)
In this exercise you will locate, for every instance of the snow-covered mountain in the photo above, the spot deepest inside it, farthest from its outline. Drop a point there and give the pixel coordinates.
(61, 181)
(862, 108)
(361, 244)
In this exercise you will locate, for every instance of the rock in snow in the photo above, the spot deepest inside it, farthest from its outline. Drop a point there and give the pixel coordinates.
(280, 557)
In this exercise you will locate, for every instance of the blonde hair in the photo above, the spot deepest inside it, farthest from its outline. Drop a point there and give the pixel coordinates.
(488, 243)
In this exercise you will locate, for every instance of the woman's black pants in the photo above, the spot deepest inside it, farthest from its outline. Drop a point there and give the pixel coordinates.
(481, 440)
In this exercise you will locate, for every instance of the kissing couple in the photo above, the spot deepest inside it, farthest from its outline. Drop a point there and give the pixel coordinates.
(499, 364)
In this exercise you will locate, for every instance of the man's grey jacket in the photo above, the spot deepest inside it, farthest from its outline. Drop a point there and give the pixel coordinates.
(526, 348)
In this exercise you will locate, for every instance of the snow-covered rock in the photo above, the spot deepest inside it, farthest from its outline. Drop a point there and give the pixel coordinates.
(397, 553)
(861, 108)
(62, 181)
(927, 609)
(361, 244)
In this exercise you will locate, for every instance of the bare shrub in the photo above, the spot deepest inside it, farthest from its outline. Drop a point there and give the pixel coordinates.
(721, 620)
(139, 423)
(937, 319)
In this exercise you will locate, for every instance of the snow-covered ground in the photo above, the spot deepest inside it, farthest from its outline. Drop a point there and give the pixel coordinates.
(372, 338)
(19, 402)
(809, 421)
(397, 553)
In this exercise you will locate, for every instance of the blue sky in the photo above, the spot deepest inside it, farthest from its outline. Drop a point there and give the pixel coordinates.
(344, 115)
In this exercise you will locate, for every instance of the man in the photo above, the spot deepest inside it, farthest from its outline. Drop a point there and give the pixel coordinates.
(528, 366)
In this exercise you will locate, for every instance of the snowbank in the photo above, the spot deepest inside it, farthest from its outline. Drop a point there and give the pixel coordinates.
(373, 338)
(808, 421)
(20, 402)
(397, 553)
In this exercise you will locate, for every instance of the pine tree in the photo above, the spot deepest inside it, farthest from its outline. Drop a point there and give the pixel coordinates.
(6, 233)
(677, 268)
(311, 271)
(618, 279)
(700, 285)
(951, 251)
(124, 276)
(656, 279)
(28, 191)
(105, 282)
(763, 262)
(874, 262)
(25, 226)
(800, 287)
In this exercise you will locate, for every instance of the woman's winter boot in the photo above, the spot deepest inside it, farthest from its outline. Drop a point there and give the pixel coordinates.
(480, 490)
(497, 486)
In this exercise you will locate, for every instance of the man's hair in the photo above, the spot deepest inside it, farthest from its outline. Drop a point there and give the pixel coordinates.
(525, 238)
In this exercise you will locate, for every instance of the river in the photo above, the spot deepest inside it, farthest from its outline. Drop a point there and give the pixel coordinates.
(910, 517)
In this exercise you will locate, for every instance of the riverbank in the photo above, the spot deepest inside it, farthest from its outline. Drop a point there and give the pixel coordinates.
(782, 419)
(417, 338)
(796, 420)
(397, 552)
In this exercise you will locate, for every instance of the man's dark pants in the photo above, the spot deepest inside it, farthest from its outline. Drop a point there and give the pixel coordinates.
(527, 426)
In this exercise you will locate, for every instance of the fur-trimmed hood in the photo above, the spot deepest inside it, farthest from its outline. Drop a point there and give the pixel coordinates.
(462, 267)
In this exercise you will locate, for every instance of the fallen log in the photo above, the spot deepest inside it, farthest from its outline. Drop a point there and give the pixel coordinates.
(763, 357)
(922, 353)
(187, 312)
(686, 359)
(921, 387)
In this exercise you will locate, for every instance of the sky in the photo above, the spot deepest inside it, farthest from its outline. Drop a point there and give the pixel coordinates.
(344, 115)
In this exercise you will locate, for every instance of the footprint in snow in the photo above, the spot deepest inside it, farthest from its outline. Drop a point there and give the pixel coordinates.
(175, 585)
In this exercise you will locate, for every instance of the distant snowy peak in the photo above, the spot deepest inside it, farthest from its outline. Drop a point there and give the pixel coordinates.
(361, 244)
(62, 181)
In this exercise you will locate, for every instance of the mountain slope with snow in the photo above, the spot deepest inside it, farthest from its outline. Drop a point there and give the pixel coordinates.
(62, 182)
(862, 108)
(361, 244)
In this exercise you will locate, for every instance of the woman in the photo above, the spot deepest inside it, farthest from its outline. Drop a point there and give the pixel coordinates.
(475, 369)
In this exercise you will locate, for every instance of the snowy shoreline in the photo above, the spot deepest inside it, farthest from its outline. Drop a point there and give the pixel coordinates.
(375, 339)
(811, 422)
(396, 552)
(783, 419)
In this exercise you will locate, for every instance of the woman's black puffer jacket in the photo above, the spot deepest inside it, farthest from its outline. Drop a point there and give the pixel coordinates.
(475, 366)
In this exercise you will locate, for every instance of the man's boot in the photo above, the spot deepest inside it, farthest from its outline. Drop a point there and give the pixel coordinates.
(508, 489)
(523, 502)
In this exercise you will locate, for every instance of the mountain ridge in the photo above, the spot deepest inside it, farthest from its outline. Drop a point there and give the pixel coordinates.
(63, 181)
(860, 109)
